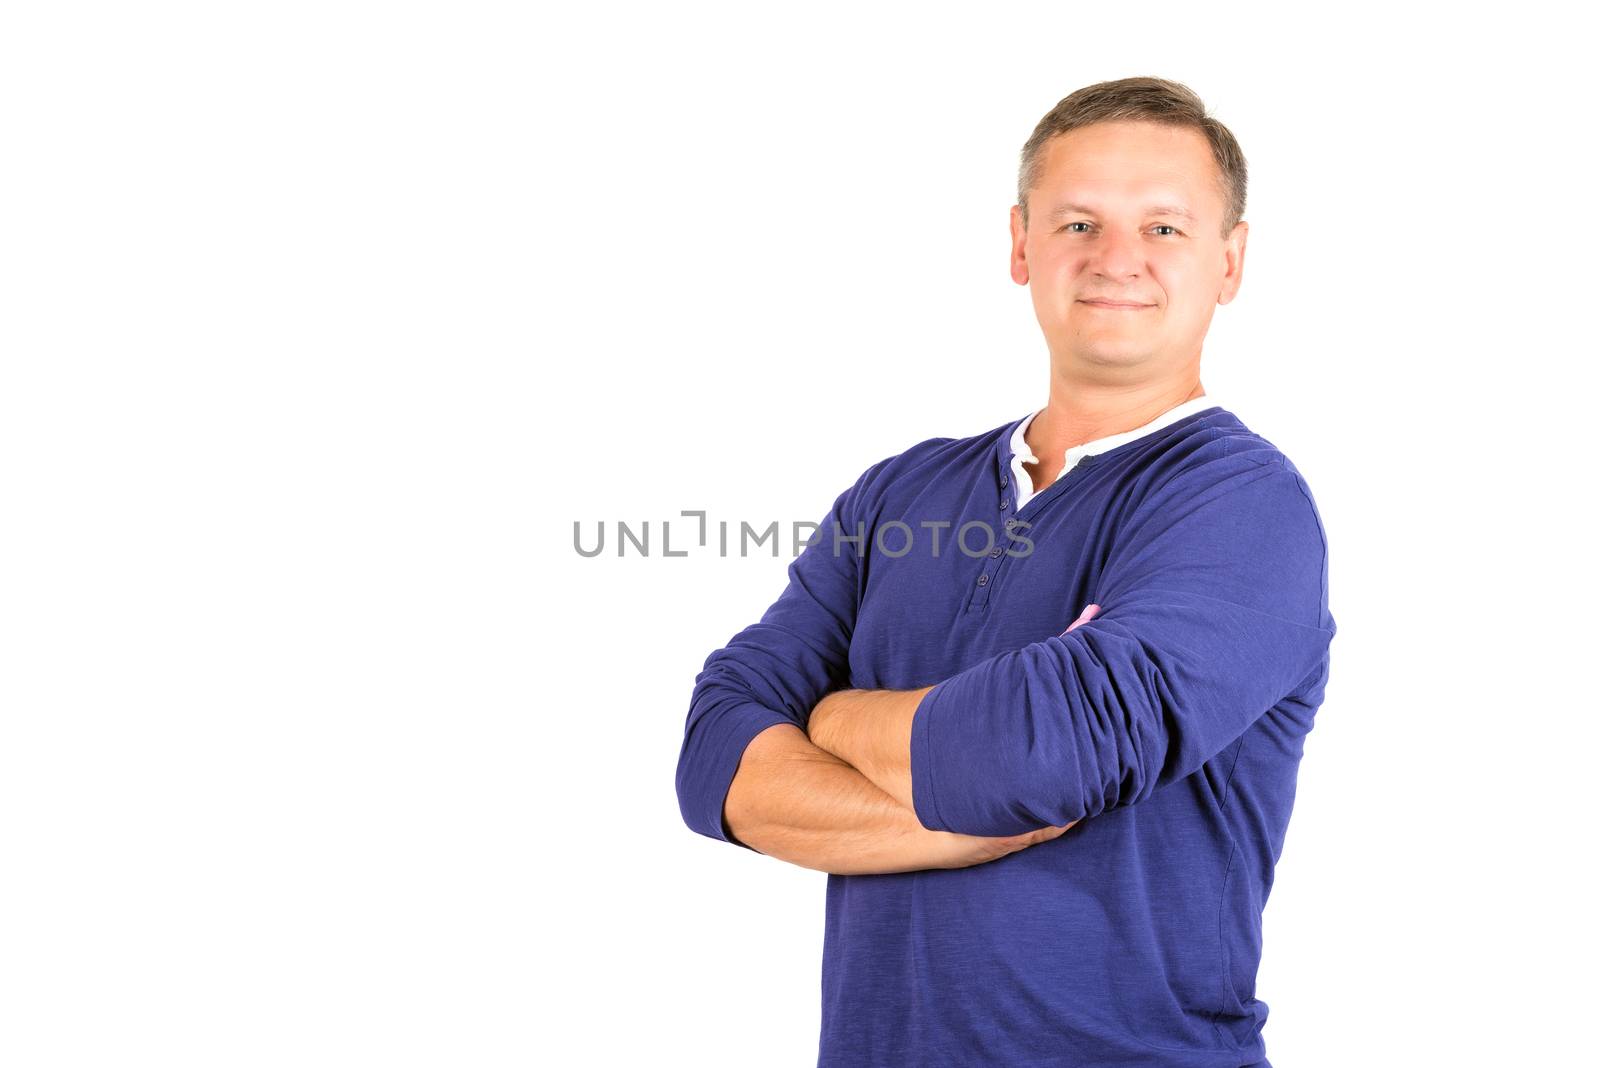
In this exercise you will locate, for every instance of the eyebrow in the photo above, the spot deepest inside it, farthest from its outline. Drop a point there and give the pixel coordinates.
(1079, 209)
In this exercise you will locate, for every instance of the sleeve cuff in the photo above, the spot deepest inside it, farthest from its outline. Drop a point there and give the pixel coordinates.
(922, 792)
(703, 797)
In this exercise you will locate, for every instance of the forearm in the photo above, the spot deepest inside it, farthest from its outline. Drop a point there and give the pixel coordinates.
(871, 731)
(798, 803)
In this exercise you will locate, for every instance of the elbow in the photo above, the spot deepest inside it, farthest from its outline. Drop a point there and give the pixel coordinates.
(689, 806)
(719, 729)
(1035, 795)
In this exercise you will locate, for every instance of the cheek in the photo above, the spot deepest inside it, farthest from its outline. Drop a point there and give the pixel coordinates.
(1188, 286)
(1178, 291)
(1065, 276)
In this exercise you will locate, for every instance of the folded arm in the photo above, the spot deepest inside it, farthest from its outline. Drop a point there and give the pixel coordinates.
(1214, 609)
(774, 671)
(792, 801)
(747, 773)
(871, 730)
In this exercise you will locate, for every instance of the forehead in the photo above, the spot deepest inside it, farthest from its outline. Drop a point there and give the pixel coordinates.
(1130, 162)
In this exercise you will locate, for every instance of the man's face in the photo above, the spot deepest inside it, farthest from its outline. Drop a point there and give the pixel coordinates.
(1127, 212)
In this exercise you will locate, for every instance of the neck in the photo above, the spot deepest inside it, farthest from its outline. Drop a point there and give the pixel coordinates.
(1080, 412)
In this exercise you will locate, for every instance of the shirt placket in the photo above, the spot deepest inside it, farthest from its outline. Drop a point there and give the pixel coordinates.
(993, 565)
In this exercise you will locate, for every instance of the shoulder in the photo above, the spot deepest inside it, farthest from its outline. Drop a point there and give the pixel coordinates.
(1228, 499)
(930, 461)
(1217, 455)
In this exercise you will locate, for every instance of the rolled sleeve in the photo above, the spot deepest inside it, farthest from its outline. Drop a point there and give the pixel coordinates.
(777, 669)
(1212, 612)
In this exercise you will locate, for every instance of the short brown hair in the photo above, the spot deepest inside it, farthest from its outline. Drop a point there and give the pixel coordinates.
(1143, 99)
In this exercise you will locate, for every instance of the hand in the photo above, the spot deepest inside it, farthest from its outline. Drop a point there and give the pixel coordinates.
(1088, 614)
(950, 850)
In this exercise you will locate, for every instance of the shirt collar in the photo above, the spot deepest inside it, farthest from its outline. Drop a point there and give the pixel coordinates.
(1019, 442)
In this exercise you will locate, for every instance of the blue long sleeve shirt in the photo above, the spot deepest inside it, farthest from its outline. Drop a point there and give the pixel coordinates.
(1171, 724)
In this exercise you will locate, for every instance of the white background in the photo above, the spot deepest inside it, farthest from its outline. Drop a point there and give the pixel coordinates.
(323, 323)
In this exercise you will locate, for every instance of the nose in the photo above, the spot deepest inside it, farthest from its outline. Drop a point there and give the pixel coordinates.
(1116, 256)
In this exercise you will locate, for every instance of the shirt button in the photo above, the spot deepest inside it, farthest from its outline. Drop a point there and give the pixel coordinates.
(994, 552)
(983, 580)
(1004, 504)
(1004, 482)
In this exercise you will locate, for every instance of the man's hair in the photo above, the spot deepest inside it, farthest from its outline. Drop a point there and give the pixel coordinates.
(1138, 99)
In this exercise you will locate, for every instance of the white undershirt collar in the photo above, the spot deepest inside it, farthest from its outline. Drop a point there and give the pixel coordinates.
(1020, 453)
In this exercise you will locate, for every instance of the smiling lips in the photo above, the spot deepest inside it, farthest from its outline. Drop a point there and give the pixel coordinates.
(1115, 305)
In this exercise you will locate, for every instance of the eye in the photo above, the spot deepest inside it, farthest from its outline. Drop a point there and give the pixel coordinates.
(1159, 226)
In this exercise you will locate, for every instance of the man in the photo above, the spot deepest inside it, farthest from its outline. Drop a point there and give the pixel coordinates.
(1049, 769)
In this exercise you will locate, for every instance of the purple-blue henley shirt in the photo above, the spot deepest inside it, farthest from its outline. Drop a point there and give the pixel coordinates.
(1171, 725)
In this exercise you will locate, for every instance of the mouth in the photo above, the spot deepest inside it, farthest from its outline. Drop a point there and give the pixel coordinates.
(1115, 305)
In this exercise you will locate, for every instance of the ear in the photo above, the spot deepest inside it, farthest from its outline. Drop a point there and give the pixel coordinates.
(1233, 254)
(1019, 247)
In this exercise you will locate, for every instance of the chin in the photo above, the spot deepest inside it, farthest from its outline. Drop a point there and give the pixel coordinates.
(1109, 352)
